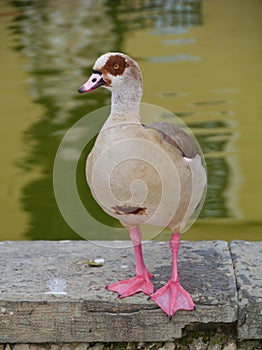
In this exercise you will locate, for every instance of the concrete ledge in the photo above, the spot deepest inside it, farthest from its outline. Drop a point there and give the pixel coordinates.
(49, 294)
(247, 260)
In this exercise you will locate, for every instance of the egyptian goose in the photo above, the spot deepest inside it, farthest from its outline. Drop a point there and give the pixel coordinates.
(134, 169)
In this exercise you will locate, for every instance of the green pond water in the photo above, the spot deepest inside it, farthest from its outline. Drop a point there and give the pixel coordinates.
(200, 60)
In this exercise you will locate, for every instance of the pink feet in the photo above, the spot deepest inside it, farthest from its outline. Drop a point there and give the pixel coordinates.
(139, 283)
(173, 297)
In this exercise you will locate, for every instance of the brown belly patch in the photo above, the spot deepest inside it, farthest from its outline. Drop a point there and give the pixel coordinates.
(125, 210)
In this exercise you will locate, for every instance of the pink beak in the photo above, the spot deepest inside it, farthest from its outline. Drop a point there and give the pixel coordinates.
(95, 81)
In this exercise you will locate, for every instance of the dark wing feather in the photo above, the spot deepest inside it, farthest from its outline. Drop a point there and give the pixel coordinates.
(178, 137)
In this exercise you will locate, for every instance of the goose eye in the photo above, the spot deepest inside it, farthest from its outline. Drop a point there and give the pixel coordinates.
(116, 66)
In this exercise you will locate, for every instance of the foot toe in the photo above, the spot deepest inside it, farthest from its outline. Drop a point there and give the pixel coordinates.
(173, 297)
(132, 286)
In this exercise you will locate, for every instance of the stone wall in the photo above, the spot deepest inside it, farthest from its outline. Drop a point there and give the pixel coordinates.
(51, 298)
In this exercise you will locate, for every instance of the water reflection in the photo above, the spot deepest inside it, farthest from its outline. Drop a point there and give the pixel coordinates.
(62, 40)
(174, 58)
(163, 16)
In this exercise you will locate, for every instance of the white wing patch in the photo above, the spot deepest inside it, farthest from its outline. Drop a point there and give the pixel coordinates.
(188, 159)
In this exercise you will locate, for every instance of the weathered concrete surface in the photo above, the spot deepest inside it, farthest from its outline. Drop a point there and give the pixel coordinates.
(247, 260)
(47, 294)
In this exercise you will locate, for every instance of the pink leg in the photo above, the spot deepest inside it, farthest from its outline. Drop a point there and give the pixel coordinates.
(139, 283)
(173, 296)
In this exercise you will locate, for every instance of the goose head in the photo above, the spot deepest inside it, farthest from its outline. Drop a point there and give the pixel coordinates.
(118, 73)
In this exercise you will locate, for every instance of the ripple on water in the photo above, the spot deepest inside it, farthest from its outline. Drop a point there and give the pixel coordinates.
(174, 58)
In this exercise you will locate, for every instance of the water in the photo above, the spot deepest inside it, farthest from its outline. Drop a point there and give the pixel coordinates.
(200, 60)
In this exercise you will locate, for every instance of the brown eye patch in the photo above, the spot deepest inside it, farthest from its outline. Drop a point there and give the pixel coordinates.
(116, 65)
